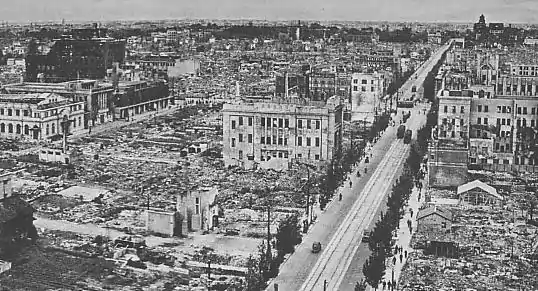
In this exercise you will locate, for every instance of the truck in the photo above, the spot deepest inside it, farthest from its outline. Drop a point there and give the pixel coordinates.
(401, 131)
(407, 136)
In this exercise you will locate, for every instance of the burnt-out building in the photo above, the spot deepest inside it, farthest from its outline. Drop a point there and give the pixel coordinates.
(133, 98)
(84, 54)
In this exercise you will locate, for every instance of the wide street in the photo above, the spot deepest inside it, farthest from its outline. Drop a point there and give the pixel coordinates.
(341, 225)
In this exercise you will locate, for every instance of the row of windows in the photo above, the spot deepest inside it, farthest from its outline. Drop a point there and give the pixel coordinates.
(462, 109)
(278, 141)
(24, 112)
(14, 129)
(242, 121)
(363, 88)
(363, 81)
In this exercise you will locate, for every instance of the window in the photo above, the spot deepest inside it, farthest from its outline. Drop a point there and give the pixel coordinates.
(519, 110)
(446, 109)
(486, 108)
(274, 139)
(249, 138)
(299, 156)
(533, 110)
(308, 141)
(499, 109)
(240, 137)
(240, 120)
(17, 112)
(250, 121)
(286, 123)
(300, 123)
(263, 121)
(355, 81)
(268, 140)
(453, 109)
(317, 141)
(479, 108)
(355, 88)
(280, 122)
(280, 140)
(53, 128)
(316, 157)
(363, 89)
(25, 112)
(262, 140)
(443, 224)
(285, 141)
(479, 120)
(233, 139)
(364, 81)
(240, 154)
(498, 122)
(233, 124)
(524, 110)
(268, 122)
(504, 109)
(532, 123)
(300, 141)
(197, 206)
(10, 112)
(318, 124)
(508, 121)
(309, 124)
(485, 120)
(462, 109)
(371, 89)
(503, 121)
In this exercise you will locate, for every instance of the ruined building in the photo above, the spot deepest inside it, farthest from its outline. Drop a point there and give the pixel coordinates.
(85, 54)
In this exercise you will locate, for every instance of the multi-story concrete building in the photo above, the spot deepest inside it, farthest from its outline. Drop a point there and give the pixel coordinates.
(134, 98)
(39, 116)
(367, 90)
(96, 95)
(274, 133)
(86, 54)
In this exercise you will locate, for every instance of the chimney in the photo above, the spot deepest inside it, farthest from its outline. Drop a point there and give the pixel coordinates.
(286, 85)
(237, 92)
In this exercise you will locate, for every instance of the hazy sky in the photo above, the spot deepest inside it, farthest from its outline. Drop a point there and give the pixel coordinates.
(392, 10)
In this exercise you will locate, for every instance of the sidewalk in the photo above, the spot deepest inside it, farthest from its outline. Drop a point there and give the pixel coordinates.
(403, 239)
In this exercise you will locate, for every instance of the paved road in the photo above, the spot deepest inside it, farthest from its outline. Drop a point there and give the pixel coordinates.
(341, 226)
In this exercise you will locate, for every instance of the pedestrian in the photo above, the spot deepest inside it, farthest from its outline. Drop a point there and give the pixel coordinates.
(340, 196)
(401, 258)
(384, 284)
(405, 254)
(411, 210)
(396, 250)
(350, 184)
(394, 260)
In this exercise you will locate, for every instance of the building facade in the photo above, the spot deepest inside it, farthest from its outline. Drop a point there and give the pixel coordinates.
(272, 134)
(39, 116)
(86, 53)
(96, 95)
(367, 90)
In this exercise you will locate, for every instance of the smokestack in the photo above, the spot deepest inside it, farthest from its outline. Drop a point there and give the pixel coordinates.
(286, 85)
(237, 92)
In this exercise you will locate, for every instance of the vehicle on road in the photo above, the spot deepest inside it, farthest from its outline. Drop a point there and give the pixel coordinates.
(316, 247)
(407, 136)
(401, 131)
(366, 236)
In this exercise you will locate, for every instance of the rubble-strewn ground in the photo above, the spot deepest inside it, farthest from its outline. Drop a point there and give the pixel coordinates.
(149, 162)
(497, 245)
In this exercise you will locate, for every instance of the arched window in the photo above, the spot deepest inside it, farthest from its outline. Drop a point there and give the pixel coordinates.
(19, 129)
(26, 130)
(53, 131)
(10, 128)
(47, 128)
(2, 127)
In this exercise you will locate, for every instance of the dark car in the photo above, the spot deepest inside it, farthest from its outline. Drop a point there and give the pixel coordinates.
(366, 236)
(316, 247)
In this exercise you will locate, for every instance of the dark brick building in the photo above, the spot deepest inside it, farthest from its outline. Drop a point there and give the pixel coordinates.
(85, 54)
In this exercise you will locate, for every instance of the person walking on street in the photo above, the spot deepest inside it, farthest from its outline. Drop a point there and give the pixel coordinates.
(350, 184)
(409, 224)
(411, 211)
(401, 258)
(394, 261)
(384, 284)
(340, 197)
(405, 254)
